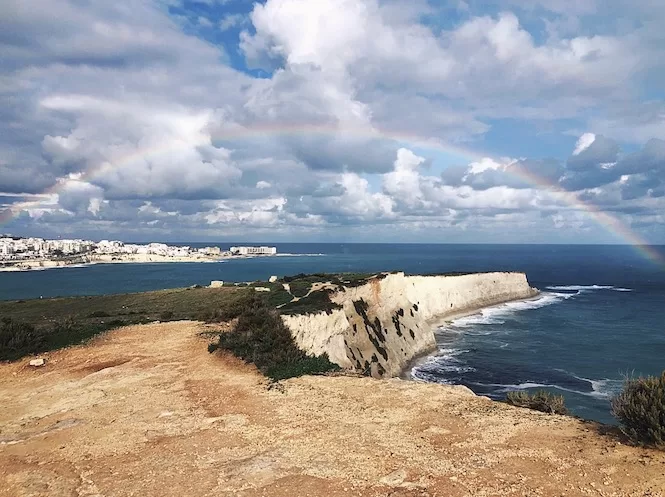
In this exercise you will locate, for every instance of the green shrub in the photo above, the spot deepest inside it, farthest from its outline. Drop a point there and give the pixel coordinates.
(234, 307)
(166, 316)
(299, 288)
(315, 302)
(18, 338)
(540, 400)
(261, 337)
(98, 314)
(640, 407)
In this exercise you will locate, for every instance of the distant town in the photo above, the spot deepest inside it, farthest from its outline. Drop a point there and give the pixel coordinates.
(31, 253)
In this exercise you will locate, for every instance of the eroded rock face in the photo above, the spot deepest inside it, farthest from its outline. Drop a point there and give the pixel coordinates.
(386, 323)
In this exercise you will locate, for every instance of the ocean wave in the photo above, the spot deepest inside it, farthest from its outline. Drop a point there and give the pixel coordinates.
(585, 288)
(600, 389)
(605, 387)
(435, 368)
(498, 314)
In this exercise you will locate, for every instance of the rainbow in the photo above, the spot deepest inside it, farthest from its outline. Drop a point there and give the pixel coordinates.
(609, 223)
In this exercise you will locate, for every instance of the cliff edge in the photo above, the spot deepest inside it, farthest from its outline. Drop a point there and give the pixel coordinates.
(380, 326)
(147, 411)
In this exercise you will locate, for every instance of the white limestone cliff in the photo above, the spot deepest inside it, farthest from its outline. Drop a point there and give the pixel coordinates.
(387, 322)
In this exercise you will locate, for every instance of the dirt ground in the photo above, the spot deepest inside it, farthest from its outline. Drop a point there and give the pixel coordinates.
(146, 411)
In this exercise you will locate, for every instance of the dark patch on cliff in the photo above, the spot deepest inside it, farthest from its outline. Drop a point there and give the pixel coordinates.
(373, 328)
(398, 325)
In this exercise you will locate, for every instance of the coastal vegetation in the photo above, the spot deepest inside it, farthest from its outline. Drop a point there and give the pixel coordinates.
(317, 301)
(259, 336)
(540, 400)
(40, 325)
(640, 408)
(20, 338)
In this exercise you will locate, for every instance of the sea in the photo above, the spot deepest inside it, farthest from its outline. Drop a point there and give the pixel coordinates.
(600, 316)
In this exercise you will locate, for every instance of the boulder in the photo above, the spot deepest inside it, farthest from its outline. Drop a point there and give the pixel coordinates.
(37, 362)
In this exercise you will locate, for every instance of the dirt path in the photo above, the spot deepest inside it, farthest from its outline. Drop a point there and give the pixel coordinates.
(146, 411)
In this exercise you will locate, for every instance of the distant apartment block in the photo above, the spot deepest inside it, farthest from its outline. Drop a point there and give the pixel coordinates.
(253, 250)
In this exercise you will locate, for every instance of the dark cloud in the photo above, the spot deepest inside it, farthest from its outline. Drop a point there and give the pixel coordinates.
(601, 151)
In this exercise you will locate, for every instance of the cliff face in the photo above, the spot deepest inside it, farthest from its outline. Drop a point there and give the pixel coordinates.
(386, 322)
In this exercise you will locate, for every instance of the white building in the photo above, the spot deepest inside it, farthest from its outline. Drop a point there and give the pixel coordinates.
(5, 249)
(253, 250)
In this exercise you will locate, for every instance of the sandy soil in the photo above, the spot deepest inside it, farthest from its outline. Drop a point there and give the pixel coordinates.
(146, 411)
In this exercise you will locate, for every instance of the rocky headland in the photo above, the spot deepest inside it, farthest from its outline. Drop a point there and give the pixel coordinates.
(381, 326)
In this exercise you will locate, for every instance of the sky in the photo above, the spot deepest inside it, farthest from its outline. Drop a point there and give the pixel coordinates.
(495, 121)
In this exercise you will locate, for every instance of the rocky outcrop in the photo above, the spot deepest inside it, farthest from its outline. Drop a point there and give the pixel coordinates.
(385, 323)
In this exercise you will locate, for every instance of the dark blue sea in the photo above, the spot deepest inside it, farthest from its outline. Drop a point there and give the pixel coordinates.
(601, 314)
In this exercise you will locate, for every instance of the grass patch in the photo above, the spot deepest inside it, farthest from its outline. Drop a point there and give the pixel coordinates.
(640, 408)
(99, 314)
(260, 337)
(179, 304)
(19, 338)
(277, 295)
(318, 301)
(299, 288)
(540, 400)
(36, 326)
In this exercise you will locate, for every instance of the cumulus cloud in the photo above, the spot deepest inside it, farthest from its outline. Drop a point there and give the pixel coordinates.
(320, 116)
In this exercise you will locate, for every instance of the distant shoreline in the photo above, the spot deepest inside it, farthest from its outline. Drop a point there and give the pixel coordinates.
(91, 260)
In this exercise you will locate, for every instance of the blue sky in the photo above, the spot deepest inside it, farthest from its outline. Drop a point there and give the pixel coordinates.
(335, 120)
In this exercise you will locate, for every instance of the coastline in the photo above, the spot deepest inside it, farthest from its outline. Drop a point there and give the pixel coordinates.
(84, 261)
(447, 318)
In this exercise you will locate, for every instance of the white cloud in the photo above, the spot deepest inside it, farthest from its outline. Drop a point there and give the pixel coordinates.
(137, 124)
(584, 142)
(404, 181)
(231, 20)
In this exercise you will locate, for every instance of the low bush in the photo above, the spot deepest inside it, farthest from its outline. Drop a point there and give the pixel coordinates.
(315, 302)
(540, 400)
(166, 315)
(98, 314)
(640, 408)
(260, 337)
(299, 288)
(18, 338)
(234, 307)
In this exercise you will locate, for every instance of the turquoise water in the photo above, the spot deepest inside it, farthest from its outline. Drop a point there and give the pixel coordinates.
(601, 313)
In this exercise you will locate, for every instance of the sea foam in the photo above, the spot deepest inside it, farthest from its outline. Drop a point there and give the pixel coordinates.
(498, 314)
(586, 288)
